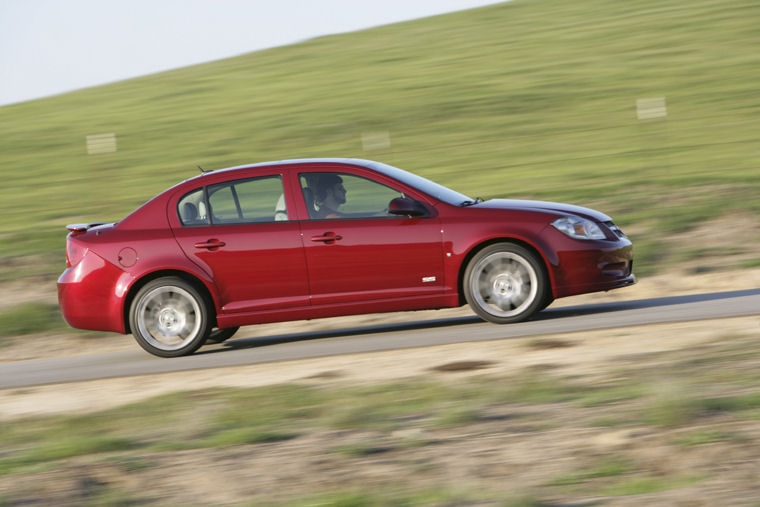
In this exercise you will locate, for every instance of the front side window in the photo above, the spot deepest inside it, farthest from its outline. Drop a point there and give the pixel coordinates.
(253, 200)
(342, 195)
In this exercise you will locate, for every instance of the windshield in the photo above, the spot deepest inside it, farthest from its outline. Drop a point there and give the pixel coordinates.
(423, 184)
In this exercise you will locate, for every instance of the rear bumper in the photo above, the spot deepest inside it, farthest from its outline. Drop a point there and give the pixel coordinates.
(91, 295)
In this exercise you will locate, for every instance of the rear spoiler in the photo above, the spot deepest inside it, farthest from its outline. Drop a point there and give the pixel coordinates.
(82, 228)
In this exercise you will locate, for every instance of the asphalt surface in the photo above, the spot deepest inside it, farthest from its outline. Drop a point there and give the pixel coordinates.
(245, 351)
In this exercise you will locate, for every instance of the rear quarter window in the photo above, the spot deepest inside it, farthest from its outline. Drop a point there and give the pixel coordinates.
(192, 209)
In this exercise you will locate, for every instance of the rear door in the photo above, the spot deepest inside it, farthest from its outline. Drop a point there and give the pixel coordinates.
(242, 234)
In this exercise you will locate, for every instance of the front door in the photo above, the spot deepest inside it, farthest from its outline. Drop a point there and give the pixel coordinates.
(356, 251)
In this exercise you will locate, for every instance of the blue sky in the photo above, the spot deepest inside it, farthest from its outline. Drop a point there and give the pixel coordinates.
(49, 47)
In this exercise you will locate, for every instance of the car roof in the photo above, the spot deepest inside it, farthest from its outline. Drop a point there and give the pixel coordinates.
(369, 164)
(349, 161)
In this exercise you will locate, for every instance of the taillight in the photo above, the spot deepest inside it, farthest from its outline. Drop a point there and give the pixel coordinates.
(74, 253)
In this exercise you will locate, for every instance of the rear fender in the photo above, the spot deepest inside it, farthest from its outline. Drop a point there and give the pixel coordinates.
(193, 275)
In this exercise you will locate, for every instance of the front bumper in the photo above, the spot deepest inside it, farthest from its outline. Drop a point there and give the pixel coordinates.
(593, 266)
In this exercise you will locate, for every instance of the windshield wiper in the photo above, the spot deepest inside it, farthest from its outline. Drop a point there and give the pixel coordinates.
(477, 200)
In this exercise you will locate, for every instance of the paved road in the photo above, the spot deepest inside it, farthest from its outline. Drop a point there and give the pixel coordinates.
(244, 351)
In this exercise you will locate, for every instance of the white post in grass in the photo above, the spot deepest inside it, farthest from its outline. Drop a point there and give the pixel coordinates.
(647, 109)
(101, 151)
(101, 143)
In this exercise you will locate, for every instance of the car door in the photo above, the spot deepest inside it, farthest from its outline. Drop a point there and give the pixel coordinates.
(360, 252)
(239, 233)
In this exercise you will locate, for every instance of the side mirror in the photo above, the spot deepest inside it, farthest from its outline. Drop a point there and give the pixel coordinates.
(407, 207)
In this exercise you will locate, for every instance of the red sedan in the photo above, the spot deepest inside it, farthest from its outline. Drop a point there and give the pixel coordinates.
(304, 239)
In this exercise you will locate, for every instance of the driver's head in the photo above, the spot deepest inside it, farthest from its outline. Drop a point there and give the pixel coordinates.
(330, 185)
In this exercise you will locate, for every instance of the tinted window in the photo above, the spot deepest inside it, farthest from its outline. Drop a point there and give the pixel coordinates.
(341, 195)
(247, 201)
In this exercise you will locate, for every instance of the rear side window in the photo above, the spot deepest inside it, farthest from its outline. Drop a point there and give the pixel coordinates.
(247, 201)
(254, 200)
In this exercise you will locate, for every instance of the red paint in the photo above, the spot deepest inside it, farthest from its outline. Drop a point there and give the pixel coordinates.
(301, 268)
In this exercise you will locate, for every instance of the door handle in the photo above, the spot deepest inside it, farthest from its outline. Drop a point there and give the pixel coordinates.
(327, 238)
(210, 244)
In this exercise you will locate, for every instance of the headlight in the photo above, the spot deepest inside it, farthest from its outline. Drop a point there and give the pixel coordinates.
(578, 228)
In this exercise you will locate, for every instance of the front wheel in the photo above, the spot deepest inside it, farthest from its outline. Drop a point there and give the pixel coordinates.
(169, 317)
(505, 283)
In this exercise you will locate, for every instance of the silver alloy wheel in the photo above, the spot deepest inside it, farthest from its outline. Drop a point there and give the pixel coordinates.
(168, 317)
(504, 284)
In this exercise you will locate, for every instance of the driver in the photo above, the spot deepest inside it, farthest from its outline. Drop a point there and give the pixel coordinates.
(329, 194)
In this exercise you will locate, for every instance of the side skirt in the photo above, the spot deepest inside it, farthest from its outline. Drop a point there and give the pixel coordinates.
(336, 310)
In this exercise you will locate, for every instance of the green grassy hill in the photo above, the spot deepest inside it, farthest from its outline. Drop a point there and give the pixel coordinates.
(526, 99)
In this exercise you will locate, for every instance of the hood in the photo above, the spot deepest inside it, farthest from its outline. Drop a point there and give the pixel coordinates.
(550, 207)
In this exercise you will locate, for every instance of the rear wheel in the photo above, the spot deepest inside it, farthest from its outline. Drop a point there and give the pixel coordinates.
(169, 317)
(547, 301)
(505, 283)
(221, 335)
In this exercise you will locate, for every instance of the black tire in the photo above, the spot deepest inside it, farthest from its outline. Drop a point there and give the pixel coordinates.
(169, 317)
(221, 335)
(547, 301)
(506, 283)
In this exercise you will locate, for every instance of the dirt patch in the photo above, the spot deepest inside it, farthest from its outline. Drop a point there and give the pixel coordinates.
(463, 366)
(546, 343)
